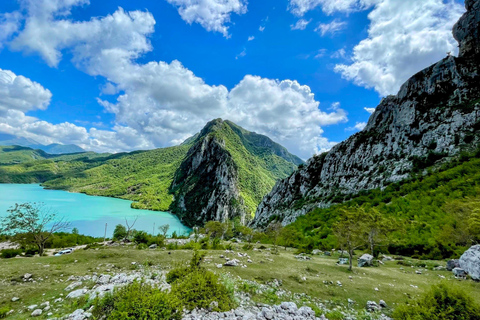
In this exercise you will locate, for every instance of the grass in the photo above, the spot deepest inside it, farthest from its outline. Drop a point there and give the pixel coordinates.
(394, 284)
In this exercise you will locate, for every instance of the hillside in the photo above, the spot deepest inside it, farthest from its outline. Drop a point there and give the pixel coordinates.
(220, 173)
(432, 119)
(54, 148)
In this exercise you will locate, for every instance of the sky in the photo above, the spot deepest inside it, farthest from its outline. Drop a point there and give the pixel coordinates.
(123, 75)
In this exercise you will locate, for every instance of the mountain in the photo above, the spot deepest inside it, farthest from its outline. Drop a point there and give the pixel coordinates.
(226, 173)
(433, 118)
(220, 173)
(16, 154)
(54, 148)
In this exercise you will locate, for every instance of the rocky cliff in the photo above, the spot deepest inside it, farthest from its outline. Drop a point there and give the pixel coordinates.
(434, 116)
(226, 172)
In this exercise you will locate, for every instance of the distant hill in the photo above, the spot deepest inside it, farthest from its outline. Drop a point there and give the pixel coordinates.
(220, 173)
(54, 148)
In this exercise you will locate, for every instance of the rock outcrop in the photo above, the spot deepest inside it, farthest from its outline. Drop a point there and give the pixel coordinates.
(470, 262)
(434, 117)
(226, 173)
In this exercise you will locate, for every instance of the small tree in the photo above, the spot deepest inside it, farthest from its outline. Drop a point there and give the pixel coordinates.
(273, 231)
(350, 231)
(215, 229)
(37, 220)
(289, 236)
(377, 227)
(164, 229)
(120, 232)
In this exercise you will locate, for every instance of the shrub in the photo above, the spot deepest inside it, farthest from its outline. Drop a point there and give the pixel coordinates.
(10, 253)
(142, 246)
(31, 252)
(198, 289)
(141, 237)
(177, 273)
(138, 301)
(442, 302)
(3, 312)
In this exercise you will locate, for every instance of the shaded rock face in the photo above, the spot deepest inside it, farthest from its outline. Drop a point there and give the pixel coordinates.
(434, 117)
(206, 185)
(470, 262)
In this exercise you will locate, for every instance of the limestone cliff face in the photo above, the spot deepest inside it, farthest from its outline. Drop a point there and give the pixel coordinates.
(206, 185)
(226, 173)
(434, 116)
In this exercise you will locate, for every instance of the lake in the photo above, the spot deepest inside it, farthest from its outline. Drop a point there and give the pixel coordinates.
(88, 214)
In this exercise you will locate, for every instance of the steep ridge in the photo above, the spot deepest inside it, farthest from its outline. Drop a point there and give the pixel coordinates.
(226, 172)
(434, 117)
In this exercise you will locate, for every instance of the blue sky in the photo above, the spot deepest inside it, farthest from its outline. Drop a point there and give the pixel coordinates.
(126, 75)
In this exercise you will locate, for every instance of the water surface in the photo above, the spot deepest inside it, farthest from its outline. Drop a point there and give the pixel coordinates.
(88, 214)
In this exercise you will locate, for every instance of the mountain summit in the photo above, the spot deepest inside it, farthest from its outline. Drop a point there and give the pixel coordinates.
(434, 117)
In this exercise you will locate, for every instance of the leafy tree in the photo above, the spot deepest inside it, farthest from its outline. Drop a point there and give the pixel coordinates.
(164, 229)
(273, 231)
(377, 227)
(120, 232)
(289, 237)
(37, 220)
(216, 229)
(350, 231)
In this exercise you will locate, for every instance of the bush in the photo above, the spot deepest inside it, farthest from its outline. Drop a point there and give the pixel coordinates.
(442, 302)
(138, 301)
(142, 246)
(141, 237)
(3, 312)
(30, 252)
(198, 289)
(10, 253)
(177, 273)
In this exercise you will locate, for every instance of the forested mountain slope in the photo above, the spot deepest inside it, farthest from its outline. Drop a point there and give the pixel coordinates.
(221, 173)
(433, 118)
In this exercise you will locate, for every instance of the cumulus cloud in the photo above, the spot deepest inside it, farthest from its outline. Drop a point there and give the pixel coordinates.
(160, 104)
(21, 94)
(251, 38)
(331, 28)
(213, 15)
(359, 126)
(300, 25)
(370, 110)
(9, 24)
(300, 7)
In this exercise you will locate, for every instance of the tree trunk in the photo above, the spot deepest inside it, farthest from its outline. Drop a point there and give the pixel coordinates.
(40, 249)
(350, 253)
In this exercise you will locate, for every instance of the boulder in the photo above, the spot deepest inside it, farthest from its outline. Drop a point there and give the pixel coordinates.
(36, 313)
(27, 276)
(232, 263)
(343, 261)
(365, 261)
(153, 246)
(372, 306)
(452, 264)
(459, 273)
(77, 293)
(316, 252)
(470, 262)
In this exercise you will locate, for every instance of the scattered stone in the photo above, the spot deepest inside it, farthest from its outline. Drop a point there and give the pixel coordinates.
(14, 299)
(153, 246)
(27, 276)
(470, 262)
(316, 252)
(383, 304)
(36, 313)
(365, 261)
(452, 264)
(231, 263)
(77, 293)
(372, 306)
(32, 307)
(219, 265)
(459, 273)
(327, 253)
(343, 261)
(73, 286)
(302, 256)
(418, 272)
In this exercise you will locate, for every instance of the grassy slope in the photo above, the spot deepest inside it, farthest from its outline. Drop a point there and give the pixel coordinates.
(16, 154)
(394, 284)
(258, 167)
(419, 204)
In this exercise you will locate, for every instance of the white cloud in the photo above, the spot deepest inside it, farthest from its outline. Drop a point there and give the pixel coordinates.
(359, 126)
(160, 104)
(210, 14)
(241, 54)
(261, 28)
(403, 38)
(339, 54)
(300, 25)
(300, 7)
(321, 53)
(22, 94)
(370, 110)
(331, 28)
(9, 24)
(251, 38)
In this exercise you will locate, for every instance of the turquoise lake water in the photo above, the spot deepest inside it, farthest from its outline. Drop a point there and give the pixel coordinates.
(87, 213)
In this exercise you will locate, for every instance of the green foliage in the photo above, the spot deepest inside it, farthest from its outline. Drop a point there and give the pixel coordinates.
(432, 213)
(3, 312)
(120, 232)
(141, 237)
(138, 301)
(10, 253)
(442, 302)
(199, 288)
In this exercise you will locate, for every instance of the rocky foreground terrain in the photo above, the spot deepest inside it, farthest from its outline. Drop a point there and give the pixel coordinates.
(434, 117)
